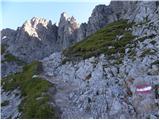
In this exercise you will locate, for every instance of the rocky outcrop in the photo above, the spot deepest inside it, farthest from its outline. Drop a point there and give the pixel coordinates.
(38, 38)
(97, 88)
(81, 32)
(8, 68)
(40, 35)
(8, 36)
(33, 41)
(104, 87)
(135, 11)
(100, 87)
(67, 30)
(100, 17)
(9, 104)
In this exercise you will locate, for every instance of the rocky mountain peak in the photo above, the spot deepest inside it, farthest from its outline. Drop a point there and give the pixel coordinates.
(35, 21)
(34, 40)
(100, 17)
(98, 8)
(31, 26)
(67, 30)
(64, 17)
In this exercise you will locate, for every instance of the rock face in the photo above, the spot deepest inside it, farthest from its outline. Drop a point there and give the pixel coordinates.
(100, 17)
(81, 32)
(34, 40)
(9, 68)
(96, 88)
(100, 87)
(13, 100)
(38, 38)
(132, 10)
(67, 29)
(7, 36)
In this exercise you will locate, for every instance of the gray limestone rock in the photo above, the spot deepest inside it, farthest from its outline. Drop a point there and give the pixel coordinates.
(33, 41)
(67, 29)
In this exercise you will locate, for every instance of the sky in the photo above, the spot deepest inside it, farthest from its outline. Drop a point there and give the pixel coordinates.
(15, 12)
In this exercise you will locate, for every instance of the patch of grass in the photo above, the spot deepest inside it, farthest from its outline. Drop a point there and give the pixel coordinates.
(147, 52)
(11, 58)
(5, 103)
(31, 89)
(101, 41)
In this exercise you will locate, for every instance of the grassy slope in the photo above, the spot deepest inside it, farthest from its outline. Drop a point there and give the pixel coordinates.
(34, 91)
(103, 41)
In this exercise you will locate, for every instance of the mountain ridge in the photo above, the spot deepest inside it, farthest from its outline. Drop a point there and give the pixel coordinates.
(115, 77)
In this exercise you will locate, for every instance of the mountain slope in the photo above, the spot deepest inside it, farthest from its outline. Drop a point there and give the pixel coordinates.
(109, 40)
(39, 34)
(104, 84)
(105, 70)
(29, 93)
(112, 72)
